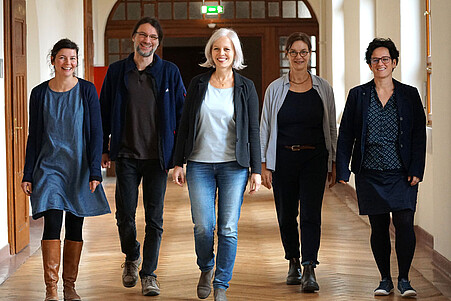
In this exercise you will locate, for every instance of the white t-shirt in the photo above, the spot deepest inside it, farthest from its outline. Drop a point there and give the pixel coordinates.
(216, 134)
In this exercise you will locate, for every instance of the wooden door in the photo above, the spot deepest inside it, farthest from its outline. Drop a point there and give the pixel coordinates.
(16, 121)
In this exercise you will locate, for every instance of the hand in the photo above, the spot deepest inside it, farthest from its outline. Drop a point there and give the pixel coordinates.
(343, 182)
(266, 176)
(106, 162)
(93, 185)
(332, 176)
(413, 180)
(178, 177)
(256, 181)
(27, 188)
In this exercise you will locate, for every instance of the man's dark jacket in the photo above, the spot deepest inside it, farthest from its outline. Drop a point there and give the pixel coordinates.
(169, 94)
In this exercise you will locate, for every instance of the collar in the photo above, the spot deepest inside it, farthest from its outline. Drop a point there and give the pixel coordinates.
(153, 67)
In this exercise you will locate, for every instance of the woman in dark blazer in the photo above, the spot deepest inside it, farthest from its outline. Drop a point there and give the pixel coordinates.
(383, 130)
(219, 139)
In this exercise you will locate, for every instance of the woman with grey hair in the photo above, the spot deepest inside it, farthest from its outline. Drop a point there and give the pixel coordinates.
(218, 138)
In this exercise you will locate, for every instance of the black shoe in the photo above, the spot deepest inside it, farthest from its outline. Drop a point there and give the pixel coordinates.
(406, 289)
(385, 287)
(308, 280)
(294, 272)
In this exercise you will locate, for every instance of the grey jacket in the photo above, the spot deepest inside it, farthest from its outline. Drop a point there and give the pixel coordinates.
(274, 97)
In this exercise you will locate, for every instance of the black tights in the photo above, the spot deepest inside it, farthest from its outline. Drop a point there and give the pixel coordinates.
(53, 221)
(404, 241)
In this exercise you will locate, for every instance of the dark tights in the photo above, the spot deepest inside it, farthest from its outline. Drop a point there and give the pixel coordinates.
(404, 241)
(53, 221)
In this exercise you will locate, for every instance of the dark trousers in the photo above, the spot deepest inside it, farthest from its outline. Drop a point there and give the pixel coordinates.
(298, 186)
(404, 241)
(53, 221)
(129, 173)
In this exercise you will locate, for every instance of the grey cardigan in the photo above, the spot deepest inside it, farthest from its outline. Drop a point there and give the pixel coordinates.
(274, 97)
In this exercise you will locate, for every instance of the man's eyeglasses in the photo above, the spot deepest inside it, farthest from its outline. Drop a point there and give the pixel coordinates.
(144, 35)
(384, 59)
(302, 53)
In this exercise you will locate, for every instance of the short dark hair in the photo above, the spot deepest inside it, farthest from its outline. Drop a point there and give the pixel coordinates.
(152, 21)
(381, 42)
(298, 36)
(62, 44)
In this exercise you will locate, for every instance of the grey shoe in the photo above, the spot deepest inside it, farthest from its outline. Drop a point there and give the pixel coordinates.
(204, 285)
(220, 294)
(130, 272)
(150, 286)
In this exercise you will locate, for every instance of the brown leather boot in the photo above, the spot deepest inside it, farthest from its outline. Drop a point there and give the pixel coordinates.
(71, 259)
(51, 256)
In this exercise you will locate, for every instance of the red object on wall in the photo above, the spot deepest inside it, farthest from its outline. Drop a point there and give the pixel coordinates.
(99, 76)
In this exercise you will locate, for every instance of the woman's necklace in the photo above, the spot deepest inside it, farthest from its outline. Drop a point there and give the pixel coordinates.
(223, 82)
(308, 76)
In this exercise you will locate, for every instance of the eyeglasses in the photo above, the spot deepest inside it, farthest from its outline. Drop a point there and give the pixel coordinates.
(144, 35)
(384, 59)
(302, 53)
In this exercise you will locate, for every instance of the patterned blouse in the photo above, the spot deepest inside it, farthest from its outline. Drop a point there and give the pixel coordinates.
(381, 147)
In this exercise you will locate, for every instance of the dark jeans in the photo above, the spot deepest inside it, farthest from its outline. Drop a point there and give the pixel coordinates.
(53, 221)
(298, 185)
(129, 173)
(404, 241)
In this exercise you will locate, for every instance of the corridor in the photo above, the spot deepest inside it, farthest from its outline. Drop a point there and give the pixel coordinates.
(347, 270)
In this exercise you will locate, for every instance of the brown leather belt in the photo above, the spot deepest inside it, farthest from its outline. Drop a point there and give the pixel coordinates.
(296, 148)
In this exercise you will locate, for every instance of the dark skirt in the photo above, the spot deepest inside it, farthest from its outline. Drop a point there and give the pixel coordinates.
(380, 192)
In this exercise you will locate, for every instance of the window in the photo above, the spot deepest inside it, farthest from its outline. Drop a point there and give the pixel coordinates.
(284, 64)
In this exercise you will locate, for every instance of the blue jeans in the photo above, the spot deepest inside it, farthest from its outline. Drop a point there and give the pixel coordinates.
(129, 173)
(229, 180)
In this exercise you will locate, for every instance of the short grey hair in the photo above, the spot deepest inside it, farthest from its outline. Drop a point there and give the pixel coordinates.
(238, 60)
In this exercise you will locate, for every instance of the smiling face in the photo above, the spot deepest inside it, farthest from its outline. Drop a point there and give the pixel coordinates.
(65, 62)
(381, 69)
(298, 62)
(145, 40)
(223, 53)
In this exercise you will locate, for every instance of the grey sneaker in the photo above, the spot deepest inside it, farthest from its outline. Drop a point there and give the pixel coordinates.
(130, 272)
(220, 294)
(150, 286)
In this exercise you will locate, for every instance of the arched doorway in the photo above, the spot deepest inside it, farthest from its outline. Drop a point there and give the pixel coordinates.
(262, 25)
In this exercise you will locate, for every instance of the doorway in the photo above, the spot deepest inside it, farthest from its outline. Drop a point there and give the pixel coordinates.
(188, 53)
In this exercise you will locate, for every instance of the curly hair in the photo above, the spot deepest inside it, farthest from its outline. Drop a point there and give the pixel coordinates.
(381, 42)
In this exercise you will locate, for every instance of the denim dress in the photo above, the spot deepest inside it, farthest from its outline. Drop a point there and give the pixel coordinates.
(61, 174)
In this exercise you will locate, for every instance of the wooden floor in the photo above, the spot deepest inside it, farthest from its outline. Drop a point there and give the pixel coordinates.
(347, 270)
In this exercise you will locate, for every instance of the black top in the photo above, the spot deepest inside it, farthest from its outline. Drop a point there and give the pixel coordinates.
(300, 119)
(139, 139)
(382, 148)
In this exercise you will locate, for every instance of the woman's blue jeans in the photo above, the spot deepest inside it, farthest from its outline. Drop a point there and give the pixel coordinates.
(229, 181)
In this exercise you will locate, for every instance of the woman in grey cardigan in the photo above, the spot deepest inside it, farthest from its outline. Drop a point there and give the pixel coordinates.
(298, 139)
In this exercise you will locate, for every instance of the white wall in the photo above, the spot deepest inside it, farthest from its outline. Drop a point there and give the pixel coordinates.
(3, 191)
(100, 12)
(441, 126)
(47, 22)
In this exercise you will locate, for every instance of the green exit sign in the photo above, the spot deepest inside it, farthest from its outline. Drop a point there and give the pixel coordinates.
(212, 9)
